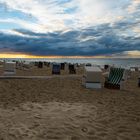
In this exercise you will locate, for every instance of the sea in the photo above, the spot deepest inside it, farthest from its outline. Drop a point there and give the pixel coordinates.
(123, 62)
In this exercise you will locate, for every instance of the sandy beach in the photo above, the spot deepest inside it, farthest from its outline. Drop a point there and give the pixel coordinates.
(69, 69)
(62, 109)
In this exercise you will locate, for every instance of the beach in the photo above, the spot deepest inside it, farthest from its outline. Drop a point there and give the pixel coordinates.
(69, 69)
(60, 108)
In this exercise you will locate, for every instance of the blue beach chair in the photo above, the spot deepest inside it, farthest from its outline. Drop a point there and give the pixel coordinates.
(56, 68)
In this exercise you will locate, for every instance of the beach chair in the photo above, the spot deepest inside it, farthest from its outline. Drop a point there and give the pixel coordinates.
(62, 66)
(106, 67)
(88, 64)
(132, 69)
(1, 62)
(56, 68)
(40, 64)
(46, 64)
(116, 76)
(72, 69)
(36, 64)
(139, 82)
(92, 78)
(9, 68)
(26, 65)
(102, 67)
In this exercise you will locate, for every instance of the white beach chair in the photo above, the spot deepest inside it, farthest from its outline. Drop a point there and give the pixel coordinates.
(132, 69)
(66, 66)
(102, 67)
(27, 65)
(92, 78)
(9, 68)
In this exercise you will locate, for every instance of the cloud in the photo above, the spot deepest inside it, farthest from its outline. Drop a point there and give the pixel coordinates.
(127, 54)
(47, 13)
(54, 15)
(70, 27)
(134, 6)
(101, 40)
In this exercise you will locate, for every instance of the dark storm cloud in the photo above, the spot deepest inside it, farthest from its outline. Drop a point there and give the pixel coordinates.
(99, 40)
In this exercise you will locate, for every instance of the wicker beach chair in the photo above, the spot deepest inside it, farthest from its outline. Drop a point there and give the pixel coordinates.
(9, 68)
(106, 67)
(40, 64)
(138, 82)
(56, 68)
(116, 76)
(92, 78)
(72, 69)
(62, 66)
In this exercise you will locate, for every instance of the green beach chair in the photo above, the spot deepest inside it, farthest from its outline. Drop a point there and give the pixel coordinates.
(113, 81)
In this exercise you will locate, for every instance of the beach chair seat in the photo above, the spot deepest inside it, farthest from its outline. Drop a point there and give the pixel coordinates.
(56, 68)
(115, 78)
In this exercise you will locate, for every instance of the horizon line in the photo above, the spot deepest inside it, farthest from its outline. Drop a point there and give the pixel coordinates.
(29, 56)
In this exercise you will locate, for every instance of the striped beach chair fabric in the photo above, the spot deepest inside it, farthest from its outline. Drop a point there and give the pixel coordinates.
(115, 77)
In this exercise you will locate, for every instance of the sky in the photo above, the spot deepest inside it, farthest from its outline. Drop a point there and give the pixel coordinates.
(70, 27)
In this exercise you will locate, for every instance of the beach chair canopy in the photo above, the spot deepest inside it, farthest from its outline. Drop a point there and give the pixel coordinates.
(115, 76)
(106, 67)
(93, 74)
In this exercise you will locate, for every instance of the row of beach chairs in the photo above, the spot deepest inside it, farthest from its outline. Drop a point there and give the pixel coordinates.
(57, 67)
(93, 75)
(10, 67)
(115, 78)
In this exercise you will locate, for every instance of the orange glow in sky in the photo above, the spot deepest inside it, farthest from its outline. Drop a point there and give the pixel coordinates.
(13, 55)
(128, 54)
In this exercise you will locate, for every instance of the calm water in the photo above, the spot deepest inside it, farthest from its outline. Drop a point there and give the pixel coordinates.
(101, 61)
